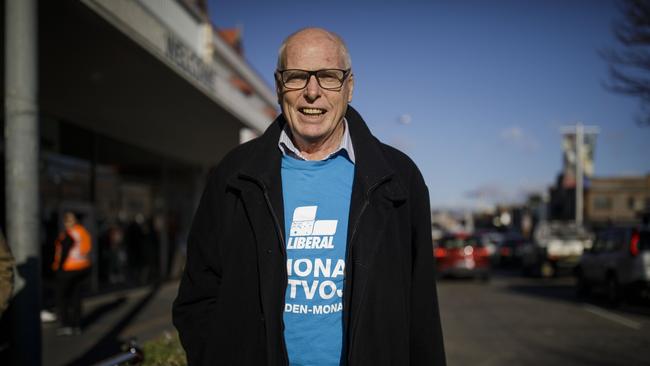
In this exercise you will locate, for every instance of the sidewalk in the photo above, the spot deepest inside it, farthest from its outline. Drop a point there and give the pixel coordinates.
(109, 321)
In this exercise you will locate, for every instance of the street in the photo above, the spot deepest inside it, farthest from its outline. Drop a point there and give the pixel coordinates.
(510, 320)
(514, 320)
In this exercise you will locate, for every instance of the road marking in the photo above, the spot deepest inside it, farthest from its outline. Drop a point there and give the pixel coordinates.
(611, 316)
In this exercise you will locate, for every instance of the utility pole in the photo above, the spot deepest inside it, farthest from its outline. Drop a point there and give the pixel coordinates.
(21, 189)
(579, 173)
(579, 130)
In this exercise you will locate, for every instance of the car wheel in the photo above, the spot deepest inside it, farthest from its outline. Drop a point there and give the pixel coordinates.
(546, 269)
(583, 288)
(613, 291)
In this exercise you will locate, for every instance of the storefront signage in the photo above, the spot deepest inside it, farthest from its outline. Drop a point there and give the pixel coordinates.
(190, 62)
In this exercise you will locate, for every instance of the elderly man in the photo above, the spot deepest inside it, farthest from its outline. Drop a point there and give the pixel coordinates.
(312, 244)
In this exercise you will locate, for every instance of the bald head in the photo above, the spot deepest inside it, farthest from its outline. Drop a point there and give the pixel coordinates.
(315, 36)
(314, 107)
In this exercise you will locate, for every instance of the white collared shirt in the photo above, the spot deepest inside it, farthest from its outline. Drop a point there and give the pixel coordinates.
(288, 148)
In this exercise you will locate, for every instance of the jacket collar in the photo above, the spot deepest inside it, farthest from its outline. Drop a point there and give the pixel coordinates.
(288, 148)
(371, 166)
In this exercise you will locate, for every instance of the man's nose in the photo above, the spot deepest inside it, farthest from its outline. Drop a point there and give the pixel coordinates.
(312, 90)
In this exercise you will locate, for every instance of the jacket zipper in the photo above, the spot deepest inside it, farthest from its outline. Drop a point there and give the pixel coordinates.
(281, 237)
(278, 229)
(366, 202)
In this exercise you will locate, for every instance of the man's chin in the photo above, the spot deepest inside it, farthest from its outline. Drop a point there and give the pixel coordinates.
(312, 138)
(311, 131)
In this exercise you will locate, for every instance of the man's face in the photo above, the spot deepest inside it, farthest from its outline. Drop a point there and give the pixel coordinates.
(314, 113)
(69, 220)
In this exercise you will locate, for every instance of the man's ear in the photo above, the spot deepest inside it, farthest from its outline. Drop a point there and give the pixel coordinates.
(278, 88)
(350, 87)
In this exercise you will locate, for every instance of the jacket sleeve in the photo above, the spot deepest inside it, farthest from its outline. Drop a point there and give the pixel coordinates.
(193, 309)
(427, 346)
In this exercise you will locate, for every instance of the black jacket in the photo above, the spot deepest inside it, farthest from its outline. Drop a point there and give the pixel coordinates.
(230, 303)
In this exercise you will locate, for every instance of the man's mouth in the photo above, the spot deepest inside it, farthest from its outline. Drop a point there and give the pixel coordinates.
(312, 111)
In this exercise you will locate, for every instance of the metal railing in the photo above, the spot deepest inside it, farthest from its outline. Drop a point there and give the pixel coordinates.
(132, 355)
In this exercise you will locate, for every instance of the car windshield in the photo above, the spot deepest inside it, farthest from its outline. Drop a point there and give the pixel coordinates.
(565, 232)
(458, 243)
(512, 243)
(493, 237)
(568, 233)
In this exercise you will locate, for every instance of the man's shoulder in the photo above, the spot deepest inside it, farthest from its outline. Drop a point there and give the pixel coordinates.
(238, 156)
(235, 160)
(406, 173)
(401, 163)
(396, 160)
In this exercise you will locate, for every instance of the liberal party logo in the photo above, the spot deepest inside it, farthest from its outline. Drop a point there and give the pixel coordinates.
(314, 285)
(308, 233)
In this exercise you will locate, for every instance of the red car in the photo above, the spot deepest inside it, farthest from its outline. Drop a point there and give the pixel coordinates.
(462, 255)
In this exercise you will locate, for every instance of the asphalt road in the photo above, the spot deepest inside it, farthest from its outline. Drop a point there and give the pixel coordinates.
(511, 320)
(514, 320)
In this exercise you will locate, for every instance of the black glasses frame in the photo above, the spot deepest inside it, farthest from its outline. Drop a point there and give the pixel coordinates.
(280, 76)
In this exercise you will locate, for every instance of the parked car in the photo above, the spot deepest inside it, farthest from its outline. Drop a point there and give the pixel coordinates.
(556, 246)
(490, 240)
(618, 263)
(509, 250)
(462, 255)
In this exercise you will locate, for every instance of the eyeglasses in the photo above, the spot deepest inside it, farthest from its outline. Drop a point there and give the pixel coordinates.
(295, 79)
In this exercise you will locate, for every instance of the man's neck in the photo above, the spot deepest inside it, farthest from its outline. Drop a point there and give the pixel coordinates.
(318, 150)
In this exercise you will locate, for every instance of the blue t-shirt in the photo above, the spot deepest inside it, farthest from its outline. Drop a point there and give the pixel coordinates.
(316, 206)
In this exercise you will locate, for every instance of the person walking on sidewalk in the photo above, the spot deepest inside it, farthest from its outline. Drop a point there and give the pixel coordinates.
(72, 267)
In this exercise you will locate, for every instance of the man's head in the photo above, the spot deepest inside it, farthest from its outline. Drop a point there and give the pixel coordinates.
(69, 219)
(314, 112)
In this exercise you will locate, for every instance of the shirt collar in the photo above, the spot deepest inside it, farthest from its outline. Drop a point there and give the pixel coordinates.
(288, 148)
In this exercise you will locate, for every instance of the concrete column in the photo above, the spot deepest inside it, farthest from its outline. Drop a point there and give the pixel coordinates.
(21, 195)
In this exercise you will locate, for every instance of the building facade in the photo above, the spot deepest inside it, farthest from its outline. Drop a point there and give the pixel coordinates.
(617, 200)
(138, 99)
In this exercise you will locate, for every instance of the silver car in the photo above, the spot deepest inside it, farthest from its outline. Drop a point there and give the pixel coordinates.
(618, 262)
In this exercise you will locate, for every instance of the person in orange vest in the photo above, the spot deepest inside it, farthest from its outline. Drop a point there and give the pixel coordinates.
(72, 267)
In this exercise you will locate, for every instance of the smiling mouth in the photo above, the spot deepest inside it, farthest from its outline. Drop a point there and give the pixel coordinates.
(312, 111)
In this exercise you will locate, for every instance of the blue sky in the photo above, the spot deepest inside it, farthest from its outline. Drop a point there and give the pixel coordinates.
(475, 94)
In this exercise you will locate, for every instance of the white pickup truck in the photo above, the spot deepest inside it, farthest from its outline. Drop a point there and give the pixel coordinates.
(555, 245)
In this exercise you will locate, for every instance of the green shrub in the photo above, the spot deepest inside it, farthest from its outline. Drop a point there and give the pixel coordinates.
(164, 351)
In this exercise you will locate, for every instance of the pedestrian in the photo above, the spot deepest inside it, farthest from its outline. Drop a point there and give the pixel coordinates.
(71, 265)
(6, 274)
(312, 243)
